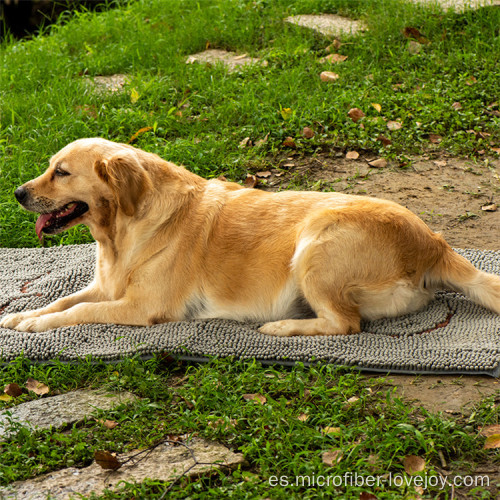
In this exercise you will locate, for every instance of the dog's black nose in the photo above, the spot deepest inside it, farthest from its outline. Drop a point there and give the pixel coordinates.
(21, 193)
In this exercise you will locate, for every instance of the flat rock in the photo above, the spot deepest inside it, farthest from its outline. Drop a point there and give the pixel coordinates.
(163, 463)
(328, 24)
(109, 83)
(231, 60)
(61, 410)
(459, 5)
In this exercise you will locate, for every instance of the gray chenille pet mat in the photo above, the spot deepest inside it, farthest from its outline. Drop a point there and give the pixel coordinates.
(452, 335)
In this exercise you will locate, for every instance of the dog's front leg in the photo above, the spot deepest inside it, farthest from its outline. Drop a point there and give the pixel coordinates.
(121, 312)
(91, 293)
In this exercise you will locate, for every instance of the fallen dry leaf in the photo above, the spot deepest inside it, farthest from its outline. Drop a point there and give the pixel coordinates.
(250, 182)
(335, 45)
(496, 150)
(367, 496)
(258, 398)
(492, 442)
(286, 113)
(435, 138)
(456, 106)
(261, 142)
(107, 460)
(492, 207)
(303, 417)
(332, 457)
(410, 32)
(13, 390)
(109, 424)
(471, 80)
(377, 106)
(440, 163)
(264, 175)
(490, 430)
(393, 125)
(331, 430)
(413, 464)
(384, 140)
(378, 163)
(355, 114)
(245, 143)
(5, 397)
(37, 387)
(328, 76)
(335, 58)
(289, 143)
(352, 155)
(352, 400)
(308, 133)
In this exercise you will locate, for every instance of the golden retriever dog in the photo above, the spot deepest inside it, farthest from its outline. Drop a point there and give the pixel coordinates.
(172, 246)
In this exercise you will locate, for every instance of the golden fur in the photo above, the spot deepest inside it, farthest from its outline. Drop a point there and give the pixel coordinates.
(174, 246)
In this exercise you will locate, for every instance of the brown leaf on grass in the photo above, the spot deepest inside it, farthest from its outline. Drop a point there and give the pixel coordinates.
(37, 387)
(378, 163)
(410, 32)
(303, 417)
(331, 430)
(367, 496)
(308, 133)
(332, 457)
(456, 106)
(496, 150)
(492, 442)
(355, 114)
(490, 430)
(107, 460)
(250, 182)
(377, 106)
(413, 464)
(264, 175)
(492, 207)
(393, 125)
(258, 398)
(335, 45)
(109, 424)
(13, 390)
(435, 138)
(352, 155)
(289, 143)
(470, 80)
(261, 142)
(246, 142)
(384, 140)
(328, 76)
(334, 58)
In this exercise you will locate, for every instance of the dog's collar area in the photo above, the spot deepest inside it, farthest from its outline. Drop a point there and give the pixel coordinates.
(57, 220)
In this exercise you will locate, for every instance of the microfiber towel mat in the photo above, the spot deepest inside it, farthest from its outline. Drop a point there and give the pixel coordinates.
(451, 335)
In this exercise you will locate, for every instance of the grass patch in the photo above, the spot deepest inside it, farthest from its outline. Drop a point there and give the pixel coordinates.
(198, 116)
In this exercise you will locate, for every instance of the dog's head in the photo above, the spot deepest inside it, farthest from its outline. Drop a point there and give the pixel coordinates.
(88, 182)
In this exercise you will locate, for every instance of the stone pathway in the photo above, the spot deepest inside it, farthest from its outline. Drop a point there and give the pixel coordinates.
(61, 410)
(231, 60)
(458, 5)
(328, 24)
(164, 463)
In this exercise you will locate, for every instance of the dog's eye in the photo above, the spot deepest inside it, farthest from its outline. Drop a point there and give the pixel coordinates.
(60, 172)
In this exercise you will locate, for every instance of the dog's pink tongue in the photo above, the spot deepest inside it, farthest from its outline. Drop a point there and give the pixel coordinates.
(40, 223)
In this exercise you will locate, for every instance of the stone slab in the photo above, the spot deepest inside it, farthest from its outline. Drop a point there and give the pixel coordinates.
(163, 463)
(231, 60)
(61, 410)
(328, 24)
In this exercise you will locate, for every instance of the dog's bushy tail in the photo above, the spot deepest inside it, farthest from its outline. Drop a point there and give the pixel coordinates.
(456, 273)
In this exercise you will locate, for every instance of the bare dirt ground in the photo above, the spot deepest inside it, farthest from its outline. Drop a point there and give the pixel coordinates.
(447, 193)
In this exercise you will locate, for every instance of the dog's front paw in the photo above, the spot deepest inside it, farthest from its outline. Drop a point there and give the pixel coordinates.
(276, 328)
(40, 324)
(12, 320)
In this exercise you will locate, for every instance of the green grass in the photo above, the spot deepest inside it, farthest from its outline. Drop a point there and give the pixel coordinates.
(207, 400)
(46, 101)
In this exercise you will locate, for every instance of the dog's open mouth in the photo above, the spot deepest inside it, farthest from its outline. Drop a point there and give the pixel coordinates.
(56, 221)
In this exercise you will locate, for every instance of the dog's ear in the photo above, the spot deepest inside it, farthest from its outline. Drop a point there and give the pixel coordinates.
(127, 179)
